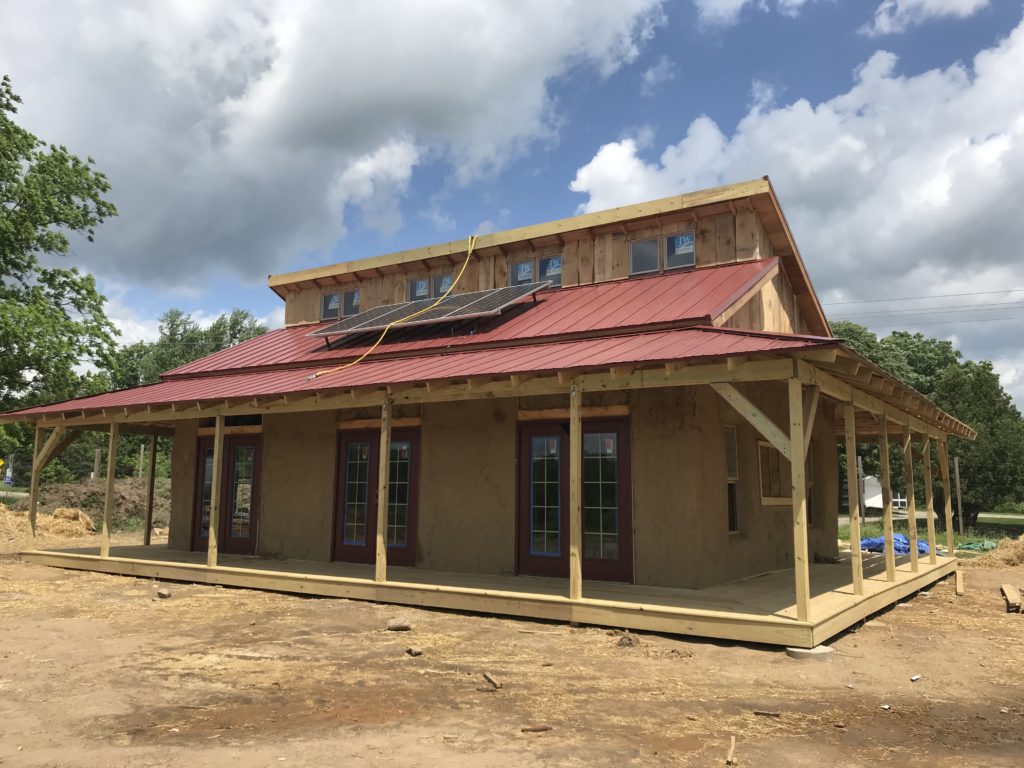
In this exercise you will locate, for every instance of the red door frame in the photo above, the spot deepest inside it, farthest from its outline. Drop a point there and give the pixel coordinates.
(225, 542)
(595, 569)
(367, 553)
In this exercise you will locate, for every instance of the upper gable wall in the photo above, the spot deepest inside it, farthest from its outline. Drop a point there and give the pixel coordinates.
(588, 256)
(773, 308)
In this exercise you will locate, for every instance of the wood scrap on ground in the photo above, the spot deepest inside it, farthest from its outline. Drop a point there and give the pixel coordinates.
(1011, 595)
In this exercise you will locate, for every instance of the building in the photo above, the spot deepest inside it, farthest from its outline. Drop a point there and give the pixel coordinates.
(627, 418)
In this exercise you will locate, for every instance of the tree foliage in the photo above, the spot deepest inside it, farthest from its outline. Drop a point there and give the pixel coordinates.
(51, 318)
(992, 466)
(182, 340)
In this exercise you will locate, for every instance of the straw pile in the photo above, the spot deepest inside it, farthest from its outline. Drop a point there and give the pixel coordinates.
(1009, 552)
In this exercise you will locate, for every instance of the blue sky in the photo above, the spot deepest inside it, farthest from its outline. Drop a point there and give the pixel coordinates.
(246, 137)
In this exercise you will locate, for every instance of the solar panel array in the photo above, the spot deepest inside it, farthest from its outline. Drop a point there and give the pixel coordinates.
(462, 306)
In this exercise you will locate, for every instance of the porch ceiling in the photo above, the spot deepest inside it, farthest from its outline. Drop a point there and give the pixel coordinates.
(881, 399)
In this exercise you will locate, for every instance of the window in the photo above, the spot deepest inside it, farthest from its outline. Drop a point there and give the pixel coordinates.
(774, 475)
(330, 306)
(350, 303)
(550, 268)
(660, 254)
(732, 478)
(419, 288)
(643, 256)
(679, 251)
(347, 304)
(429, 287)
(530, 271)
(520, 273)
(440, 284)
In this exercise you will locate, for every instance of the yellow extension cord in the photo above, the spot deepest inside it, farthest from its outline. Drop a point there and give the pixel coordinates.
(471, 243)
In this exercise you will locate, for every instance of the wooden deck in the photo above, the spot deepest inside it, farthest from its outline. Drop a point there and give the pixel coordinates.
(760, 609)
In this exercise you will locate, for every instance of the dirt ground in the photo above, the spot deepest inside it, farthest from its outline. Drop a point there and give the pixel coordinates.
(96, 670)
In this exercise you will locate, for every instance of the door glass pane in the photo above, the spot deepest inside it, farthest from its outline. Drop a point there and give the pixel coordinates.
(545, 492)
(600, 496)
(241, 491)
(398, 493)
(204, 509)
(357, 474)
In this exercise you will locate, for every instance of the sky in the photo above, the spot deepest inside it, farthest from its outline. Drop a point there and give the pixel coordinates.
(244, 138)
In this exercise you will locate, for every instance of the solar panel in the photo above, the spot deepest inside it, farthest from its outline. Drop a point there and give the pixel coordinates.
(462, 306)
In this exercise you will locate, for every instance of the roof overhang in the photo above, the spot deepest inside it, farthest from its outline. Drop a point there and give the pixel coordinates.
(839, 373)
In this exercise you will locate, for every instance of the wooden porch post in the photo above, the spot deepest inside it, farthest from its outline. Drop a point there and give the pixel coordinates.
(380, 572)
(33, 497)
(149, 491)
(885, 481)
(575, 493)
(801, 569)
(908, 479)
(215, 492)
(929, 496)
(108, 501)
(947, 495)
(853, 497)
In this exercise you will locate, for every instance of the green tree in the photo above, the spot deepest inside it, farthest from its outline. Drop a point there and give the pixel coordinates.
(51, 318)
(181, 341)
(992, 466)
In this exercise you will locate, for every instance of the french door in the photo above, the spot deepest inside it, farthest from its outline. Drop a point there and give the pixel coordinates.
(355, 512)
(543, 501)
(239, 494)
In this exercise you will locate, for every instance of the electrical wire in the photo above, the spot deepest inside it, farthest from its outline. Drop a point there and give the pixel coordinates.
(892, 323)
(470, 245)
(999, 306)
(922, 298)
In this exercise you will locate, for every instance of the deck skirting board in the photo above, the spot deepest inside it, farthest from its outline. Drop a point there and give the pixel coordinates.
(701, 622)
(869, 604)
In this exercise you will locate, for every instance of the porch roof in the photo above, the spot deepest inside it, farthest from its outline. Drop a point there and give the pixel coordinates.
(692, 344)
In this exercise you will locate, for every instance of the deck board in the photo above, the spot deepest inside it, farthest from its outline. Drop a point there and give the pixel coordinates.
(758, 609)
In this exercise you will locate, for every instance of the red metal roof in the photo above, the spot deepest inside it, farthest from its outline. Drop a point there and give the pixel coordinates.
(693, 297)
(541, 357)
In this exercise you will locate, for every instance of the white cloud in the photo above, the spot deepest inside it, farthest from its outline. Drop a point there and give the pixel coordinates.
(893, 16)
(901, 186)
(726, 12)
(487, 226)
(132, 326)
(237, 133)
(376, 181)
(661, 72)
(275, 318)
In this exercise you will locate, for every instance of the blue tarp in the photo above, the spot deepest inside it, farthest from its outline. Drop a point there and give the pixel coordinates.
(900, 545)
